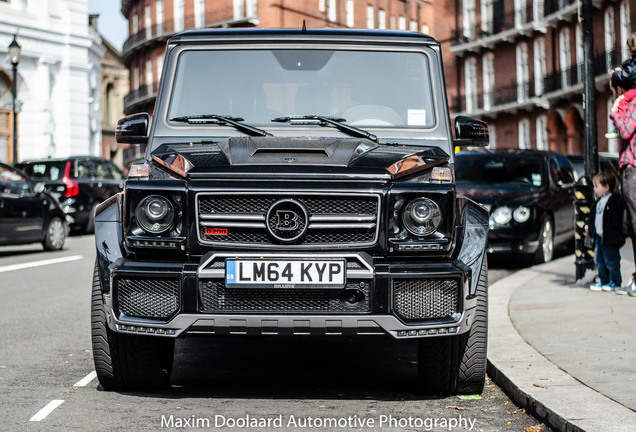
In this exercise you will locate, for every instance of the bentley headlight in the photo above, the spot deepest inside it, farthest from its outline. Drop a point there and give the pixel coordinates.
(521, 214)
(155, 214)
(502, 215)
(422, 216)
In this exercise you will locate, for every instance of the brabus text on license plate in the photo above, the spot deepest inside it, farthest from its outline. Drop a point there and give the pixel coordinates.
(247, 273)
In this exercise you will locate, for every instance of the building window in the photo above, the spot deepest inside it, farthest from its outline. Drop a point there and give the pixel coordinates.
(239, 11)
(492, 135)
(199, 13)
(381, 19)
(540, 65)
(149, 76)
(488, 72)
(542, 132)
(524, 134)
(332, 11)
(565, 56)
(349, 12)
(159, 12)
(148, 21)
(159, 66)
(178, 15)
(135, 24)
(624, 26)
(370, 17)
(521, 14)
(578, 37)
(487, 16)
(523, 74)
(468, 19)
(402, 23)
(612, 136)
(610, 37)
(413, 25)
(252, 8)
(425, 29)
(135, 78)
(537, 10)
(470, 76)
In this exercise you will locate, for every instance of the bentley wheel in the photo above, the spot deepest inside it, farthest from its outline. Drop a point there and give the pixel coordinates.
(545, 252)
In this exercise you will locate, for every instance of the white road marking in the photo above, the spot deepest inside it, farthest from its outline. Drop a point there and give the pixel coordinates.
(86, 380)
(26, 265)
(41, 415)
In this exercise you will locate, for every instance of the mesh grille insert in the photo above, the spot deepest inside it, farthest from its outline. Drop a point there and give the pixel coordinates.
(149, 297)
(217, 298)
(432, 298)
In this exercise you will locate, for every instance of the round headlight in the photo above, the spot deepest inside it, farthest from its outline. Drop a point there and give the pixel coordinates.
(521, 214)
(502, 215)
(155, 214)
(422, 216)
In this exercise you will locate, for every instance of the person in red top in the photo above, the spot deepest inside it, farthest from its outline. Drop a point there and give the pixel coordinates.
(623, 115)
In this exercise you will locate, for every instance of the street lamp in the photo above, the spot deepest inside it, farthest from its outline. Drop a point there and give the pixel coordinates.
(14, 56)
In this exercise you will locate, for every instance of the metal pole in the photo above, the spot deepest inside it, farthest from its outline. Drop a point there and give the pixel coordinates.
(584, 257)
(15, 120)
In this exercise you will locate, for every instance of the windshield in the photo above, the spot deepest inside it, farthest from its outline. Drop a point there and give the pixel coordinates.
(500, 169)
(365, 88)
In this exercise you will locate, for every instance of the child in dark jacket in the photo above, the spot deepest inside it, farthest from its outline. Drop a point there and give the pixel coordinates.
(606, 228)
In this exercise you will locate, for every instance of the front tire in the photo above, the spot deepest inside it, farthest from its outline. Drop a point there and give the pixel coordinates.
(545, 251)
(457, 364)
(127, 362)
(54, 235)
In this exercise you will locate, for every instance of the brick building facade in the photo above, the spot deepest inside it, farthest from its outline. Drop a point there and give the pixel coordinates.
(520, 68)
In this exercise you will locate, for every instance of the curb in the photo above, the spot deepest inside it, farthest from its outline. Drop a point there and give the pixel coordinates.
(536, 384)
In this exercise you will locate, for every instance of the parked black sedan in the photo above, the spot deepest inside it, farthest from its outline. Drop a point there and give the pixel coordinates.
(530, 196)
(27, 213)
(81, 183)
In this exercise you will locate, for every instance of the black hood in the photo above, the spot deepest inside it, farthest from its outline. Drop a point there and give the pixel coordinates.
(287, 156)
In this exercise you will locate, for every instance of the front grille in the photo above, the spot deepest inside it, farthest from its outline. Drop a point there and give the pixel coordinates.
(148, 297)
(218, 299)
(242, 219)
(430, 298)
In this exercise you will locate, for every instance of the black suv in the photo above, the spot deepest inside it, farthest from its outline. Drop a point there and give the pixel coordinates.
(295, 183)
(79, 182)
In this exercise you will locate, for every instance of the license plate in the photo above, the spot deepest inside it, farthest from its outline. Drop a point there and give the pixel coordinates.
(263, 273)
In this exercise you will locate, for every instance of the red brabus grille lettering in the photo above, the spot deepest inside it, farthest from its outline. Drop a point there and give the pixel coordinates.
(216, 231)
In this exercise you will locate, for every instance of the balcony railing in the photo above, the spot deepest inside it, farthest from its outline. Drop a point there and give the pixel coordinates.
(555, 82)
(499, 23)
(142, 94)
(213, 18)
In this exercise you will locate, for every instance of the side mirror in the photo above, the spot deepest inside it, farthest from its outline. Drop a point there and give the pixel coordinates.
(470, 132)
(133, 129)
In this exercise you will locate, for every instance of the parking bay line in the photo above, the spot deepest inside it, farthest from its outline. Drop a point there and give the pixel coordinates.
(26, 265)
(86, 380)
(48, 409)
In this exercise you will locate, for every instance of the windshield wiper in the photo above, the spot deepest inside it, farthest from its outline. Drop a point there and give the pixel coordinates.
(218, 119)
(338, 123)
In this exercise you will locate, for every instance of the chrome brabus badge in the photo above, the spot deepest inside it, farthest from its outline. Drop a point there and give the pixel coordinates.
(290, 159)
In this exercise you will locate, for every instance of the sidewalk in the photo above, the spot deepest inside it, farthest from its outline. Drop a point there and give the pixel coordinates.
(564, 352)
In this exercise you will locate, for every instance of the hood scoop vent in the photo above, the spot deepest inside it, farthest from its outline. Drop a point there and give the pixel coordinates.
(297, 151)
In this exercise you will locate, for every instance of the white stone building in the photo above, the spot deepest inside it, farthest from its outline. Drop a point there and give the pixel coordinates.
(58, 79)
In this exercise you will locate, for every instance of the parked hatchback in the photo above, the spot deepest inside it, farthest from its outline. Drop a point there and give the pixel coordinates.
(79, 182)
(530, 195)
(27, 213)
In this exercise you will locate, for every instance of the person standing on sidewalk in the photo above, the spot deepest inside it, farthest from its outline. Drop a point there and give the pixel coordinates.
(606, 228)
(624, 120)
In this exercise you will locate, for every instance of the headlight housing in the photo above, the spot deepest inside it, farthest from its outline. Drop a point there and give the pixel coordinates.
(521, 214)
(504, 215)
(155, 214)
(422, 217)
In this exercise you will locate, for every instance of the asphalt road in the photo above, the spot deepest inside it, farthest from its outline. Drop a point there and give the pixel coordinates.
(47, 381)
